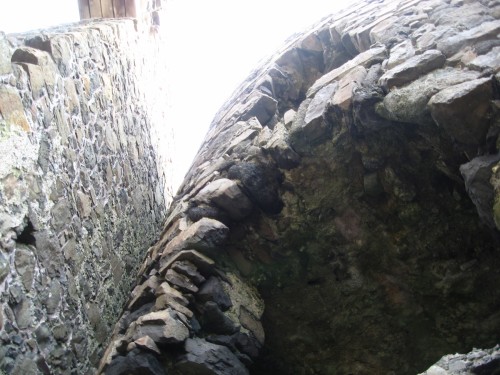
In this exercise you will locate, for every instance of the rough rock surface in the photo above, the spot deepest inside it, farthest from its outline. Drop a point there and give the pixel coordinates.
(206, 358)
(476, 362)
(363, 158)
(81, 189)
(333, 180)
(351, 186)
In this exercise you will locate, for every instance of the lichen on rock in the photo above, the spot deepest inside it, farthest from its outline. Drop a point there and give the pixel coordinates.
(368, 150)
(341, 216)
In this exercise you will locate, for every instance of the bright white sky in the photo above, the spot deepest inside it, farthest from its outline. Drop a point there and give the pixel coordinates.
(212, 45)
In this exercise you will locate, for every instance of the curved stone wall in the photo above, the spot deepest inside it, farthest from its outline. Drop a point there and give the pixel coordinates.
(341, 215)
(81, 189)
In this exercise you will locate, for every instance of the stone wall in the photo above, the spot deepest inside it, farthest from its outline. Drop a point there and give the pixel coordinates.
(476, 362)
(349, 187)
(82, 187)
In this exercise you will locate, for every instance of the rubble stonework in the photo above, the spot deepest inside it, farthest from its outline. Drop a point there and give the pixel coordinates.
(350, 187)
(341, 217)
(81, 189)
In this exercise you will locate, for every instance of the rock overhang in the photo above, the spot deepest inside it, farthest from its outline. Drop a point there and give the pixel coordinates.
(362, 239)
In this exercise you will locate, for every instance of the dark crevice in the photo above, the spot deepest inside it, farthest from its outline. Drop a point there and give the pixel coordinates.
(27, 235)
(316, 281)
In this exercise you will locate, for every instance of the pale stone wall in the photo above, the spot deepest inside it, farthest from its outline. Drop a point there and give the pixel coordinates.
(82, 187)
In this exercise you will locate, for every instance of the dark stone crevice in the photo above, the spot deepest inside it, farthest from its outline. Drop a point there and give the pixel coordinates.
(27, 236)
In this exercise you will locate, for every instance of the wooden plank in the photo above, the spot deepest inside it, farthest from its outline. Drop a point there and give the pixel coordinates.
(107, 8)
(130, 9)
(95, 8)
(119, 8)
(83, 7)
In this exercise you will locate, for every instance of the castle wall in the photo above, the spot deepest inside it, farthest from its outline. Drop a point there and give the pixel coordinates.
(341, 216)
(82, 187)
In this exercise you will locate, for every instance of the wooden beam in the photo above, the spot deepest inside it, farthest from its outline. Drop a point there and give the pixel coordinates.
(95, 8)
(83, 7)
(107, 8)
(130, 9)
(119, 8)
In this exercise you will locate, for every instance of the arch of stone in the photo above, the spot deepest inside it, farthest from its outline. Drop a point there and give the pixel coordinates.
(342, 215)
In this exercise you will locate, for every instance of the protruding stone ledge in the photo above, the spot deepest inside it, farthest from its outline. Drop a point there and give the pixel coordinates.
(331, 182)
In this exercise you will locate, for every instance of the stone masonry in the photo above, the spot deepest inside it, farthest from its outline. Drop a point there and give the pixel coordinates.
(340, 217)
(82, 188)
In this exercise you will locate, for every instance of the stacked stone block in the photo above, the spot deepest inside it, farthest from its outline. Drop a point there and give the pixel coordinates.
(331, 182)
(82, 189)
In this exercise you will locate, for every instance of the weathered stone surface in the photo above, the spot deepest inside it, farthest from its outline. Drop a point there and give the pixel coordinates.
(212, 290)
(180, 281)
(364, 59)
(476, 362)
(82, 192)
(310, 126)
(202, 262)
(171, 293)
(400, 53)
(161, 326)
(464, 110)
(288, 117)
(215, 321)
(25, 265)
(261, 106)
(243, 139)
(30, 55)
(12, 110)
(363, 243)
(143, 293)
(317, 106)
(279, 149)
(490, 60)
(61, 214)
(60, 332)
(477, 174)
(247, 344)
(201, 210)
(165, 301)
(260, 182)
(484, 31)
(412, 68)
(84, 204)
(311, 42)
(189, 270)
(388, 28)
(409, 103)
(347, 85)
(226, 194)
(23, 312)
(4, 267)
(135, 364)
(206, 358)
(146, 342)
(495, 181)
(204, 235)
(131, 316)
(251, 323)
(364, 101)
(293, 73)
